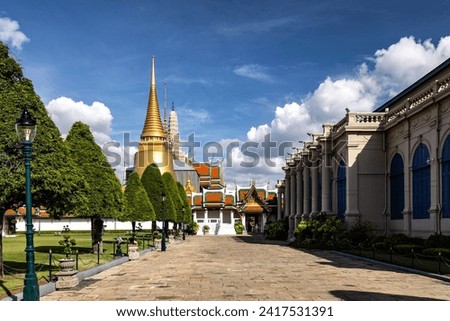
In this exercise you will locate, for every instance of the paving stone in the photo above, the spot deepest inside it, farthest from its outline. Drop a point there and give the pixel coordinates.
(224, 268)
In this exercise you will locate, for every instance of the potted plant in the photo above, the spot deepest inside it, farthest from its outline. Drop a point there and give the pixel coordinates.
(157, 239)
(68, 245)
(205, 229)
(238, 227)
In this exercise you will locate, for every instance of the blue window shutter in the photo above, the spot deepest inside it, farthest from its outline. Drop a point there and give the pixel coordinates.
(341, 190)
(445, 168)
(397, 188)
(421, 183)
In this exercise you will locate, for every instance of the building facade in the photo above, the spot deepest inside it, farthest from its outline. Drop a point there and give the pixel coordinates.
(390, 166)
(219, 207)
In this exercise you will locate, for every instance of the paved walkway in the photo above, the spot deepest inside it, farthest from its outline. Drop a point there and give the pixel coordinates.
(226, 268)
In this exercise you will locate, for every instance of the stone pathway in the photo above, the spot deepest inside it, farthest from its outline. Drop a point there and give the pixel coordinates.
(223, 268)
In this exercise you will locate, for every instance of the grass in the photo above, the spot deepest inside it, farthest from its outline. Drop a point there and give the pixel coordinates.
(15, 262)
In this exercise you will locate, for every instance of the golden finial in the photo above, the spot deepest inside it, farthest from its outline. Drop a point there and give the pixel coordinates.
(153, 126)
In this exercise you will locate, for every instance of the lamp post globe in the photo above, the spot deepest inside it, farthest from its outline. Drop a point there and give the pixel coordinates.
(26, 131)
(163, 240)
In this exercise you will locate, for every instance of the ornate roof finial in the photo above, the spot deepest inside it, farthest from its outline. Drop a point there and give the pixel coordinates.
(153, 126)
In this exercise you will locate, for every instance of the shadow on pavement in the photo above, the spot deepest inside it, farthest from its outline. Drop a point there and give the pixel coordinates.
(259, 239)
(374, 296)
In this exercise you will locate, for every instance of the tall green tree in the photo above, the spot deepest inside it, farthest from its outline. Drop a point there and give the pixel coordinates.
(187, 213)
(154, 186)
(103, 190)
(175, 196)
(137, 204)
(55, 178)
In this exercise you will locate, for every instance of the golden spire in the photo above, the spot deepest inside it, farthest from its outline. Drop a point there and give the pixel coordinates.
(189, 188)
(153, 126)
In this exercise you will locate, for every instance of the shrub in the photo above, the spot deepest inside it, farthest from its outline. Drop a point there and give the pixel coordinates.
(361, 233)
(277, 230)
(192, 228)
(407, 249)
(438, 241)
(322, 231)
(157, 235)
(238, 227)
(68, 245)
(445, 252)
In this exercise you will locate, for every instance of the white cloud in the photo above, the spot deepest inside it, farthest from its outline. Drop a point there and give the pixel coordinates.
(385, 74)
(10, 33)
(253, 71)
(65, 111)
(407, 60)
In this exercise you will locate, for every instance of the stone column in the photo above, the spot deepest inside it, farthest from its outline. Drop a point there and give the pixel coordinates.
(299, 207)
(325, 185)
(293, 193)
(280, 196)
(314, 190)
(293, 203)
(287, 194)
(352, 214)
(306, 192)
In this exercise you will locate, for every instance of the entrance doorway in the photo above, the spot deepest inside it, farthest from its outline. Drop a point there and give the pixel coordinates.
(253, 223)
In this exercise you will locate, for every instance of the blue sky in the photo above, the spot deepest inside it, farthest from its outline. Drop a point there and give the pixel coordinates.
(235, 70)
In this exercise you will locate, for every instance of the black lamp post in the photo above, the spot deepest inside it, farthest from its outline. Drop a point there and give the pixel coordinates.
(184, 225)
(163, 241)
(26, 131)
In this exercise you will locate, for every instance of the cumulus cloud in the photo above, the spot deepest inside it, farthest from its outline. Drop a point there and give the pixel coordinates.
(383, 75)
(253, 71)
(65, 111)
(407, 60)
(10, 33)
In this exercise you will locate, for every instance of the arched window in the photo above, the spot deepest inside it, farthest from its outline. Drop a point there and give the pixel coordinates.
(421, 183)
(341, 182)
(397, 188)
(445, 168)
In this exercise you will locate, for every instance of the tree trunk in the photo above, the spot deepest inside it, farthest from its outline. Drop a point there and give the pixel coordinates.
(133, 231)
(96, 234)
(154, 227)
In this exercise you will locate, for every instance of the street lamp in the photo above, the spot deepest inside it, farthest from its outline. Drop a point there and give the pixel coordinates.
(26, 131)
(163, 241)
(184, 224)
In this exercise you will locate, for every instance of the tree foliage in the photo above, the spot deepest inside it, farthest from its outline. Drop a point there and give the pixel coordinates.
(137, 204)
(174, 195)
(187, 213)
(154, 186)
(56, 180)
(103, 189)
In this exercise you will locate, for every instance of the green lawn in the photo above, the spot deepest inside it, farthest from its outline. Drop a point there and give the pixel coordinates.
(15, 262)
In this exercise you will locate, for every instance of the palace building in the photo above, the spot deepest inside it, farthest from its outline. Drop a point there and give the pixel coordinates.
(390, 166)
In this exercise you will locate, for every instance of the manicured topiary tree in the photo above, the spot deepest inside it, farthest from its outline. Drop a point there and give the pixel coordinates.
(103, 190)
(155, 187)
(187, 213)
(137, 204)
(174, 194)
